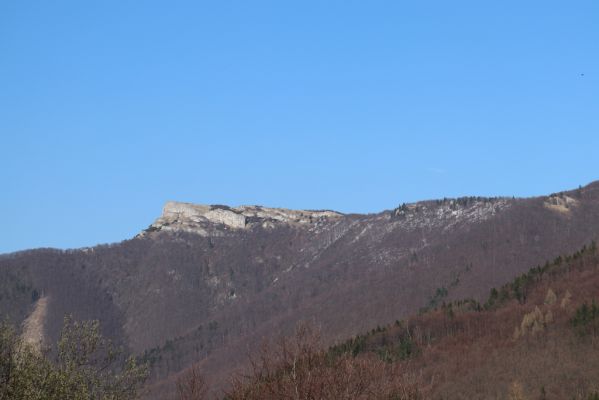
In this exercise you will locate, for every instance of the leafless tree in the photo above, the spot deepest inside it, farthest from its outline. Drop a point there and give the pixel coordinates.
(191, 385)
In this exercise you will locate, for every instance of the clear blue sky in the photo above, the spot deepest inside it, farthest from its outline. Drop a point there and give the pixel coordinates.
(110, 108)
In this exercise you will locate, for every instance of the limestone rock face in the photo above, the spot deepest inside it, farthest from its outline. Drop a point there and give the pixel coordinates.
(561, 203)
(226, 217)
(214, 220)
(187, 210)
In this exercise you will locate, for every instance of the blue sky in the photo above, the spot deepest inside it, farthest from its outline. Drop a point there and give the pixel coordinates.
(107, 110)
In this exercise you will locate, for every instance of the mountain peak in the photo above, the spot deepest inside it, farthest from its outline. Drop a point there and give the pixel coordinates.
(212, 219)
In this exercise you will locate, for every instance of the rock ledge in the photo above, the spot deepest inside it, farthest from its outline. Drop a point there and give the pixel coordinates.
(212, 219)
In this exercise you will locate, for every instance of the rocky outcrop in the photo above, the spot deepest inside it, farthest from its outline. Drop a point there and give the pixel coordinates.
(561, 203)
(214, 219)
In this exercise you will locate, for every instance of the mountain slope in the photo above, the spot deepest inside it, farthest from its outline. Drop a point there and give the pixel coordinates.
(534, 338)
(536, 335)
(205, 283)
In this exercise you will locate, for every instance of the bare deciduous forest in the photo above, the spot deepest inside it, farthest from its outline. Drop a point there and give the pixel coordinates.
(534, 338)
(412, 287)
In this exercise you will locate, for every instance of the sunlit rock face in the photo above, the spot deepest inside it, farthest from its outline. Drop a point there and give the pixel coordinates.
(186, 210)
(215, 220)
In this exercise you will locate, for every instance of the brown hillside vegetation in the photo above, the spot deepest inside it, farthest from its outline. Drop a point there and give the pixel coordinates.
(197, 290)
(297, 369)
(532, 337)
(535, 338)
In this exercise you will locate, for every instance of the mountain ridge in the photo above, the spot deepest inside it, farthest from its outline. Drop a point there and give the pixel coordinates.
(177, 297)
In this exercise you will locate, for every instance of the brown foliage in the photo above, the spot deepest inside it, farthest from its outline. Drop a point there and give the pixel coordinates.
(459, 351)
(466, 354)
(296, 368)
(192, 385)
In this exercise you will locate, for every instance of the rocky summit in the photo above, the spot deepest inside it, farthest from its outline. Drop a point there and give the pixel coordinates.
(214, 219)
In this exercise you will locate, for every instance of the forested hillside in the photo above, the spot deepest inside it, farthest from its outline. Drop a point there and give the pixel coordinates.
(203, 285)
(535, 337)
